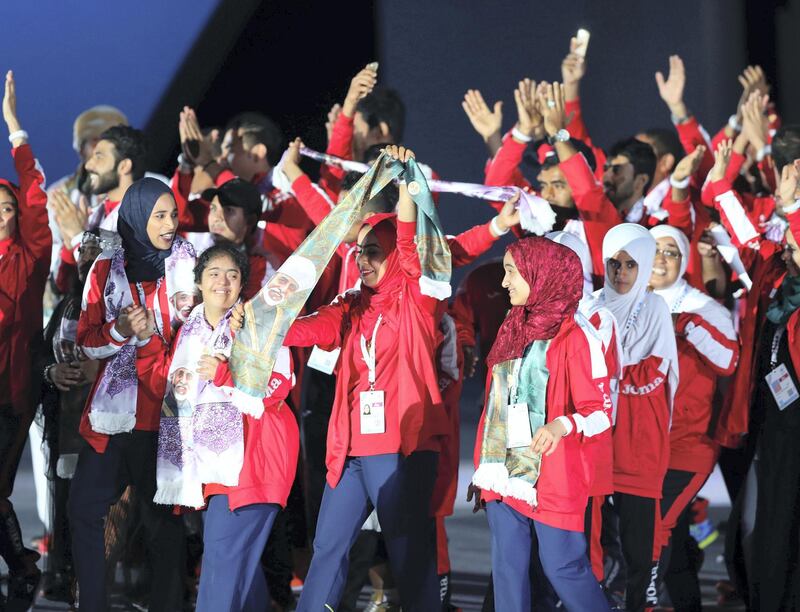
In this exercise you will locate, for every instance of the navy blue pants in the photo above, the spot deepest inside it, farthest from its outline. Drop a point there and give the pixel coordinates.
(520, 546)
(399, 488)
(232, 578)
(100, 479)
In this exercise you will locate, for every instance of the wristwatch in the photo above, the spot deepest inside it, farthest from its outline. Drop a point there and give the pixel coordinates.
(561, 135)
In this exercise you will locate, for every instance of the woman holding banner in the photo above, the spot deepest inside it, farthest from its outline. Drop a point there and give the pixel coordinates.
(387, 415)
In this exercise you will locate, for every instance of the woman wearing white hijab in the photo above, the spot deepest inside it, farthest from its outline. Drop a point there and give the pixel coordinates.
(601, 331)
(649, 379)
(707, 349)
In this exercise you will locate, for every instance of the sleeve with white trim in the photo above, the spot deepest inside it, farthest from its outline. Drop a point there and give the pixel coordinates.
(589, 389)
(97, 337)
(715, 341)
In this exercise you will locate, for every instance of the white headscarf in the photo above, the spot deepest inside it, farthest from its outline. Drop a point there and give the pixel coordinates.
(571, 241)
(643, 319)
(682, 297)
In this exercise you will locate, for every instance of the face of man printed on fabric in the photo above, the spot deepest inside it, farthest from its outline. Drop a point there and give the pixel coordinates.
(181, 390)
(183, 302)
(297, 274)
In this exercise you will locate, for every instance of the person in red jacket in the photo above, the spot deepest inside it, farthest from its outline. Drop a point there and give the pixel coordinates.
(126, 323)
(387, 416)
(239, 460)
(708, 348)
(648, 382)
(547, 397)
(25, 244)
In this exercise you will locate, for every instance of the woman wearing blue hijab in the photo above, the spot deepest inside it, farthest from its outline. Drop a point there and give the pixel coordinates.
(126, 323)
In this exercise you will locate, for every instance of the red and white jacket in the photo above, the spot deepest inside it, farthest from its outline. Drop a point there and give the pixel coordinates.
(271, 444)
(24, 266)
(583, 403)
(99, 340)
(641, 429)
(707, 349)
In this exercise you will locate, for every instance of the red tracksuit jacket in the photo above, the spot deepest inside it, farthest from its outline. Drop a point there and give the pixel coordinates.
(24, 266)
(95, 338)
(566, 475)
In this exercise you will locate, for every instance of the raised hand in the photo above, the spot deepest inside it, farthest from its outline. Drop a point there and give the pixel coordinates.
(360, 87)
(71, 219)
(551, 101)
(529, 115)
(509, 214)
(487, 123)
(333, 115)
(573, 68)
(788, 191)
(755, 125)
(291, 160)
(707, 244)
(689, 164)
(671, 88)
(195, 146)
(722, 156)
(399, 152)
(10, 108)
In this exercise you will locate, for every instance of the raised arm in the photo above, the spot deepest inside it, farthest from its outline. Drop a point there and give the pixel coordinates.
(32, 220)
(488, 123)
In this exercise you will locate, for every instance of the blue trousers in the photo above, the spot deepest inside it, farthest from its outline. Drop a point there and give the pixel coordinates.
(100, 479)
(521, 545)
(232, 578)
(399, 488)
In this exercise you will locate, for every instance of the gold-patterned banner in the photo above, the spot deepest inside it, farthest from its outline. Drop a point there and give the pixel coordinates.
(272, 310)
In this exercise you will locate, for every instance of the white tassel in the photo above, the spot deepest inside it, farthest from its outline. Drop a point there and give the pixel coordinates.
(491, 477)
(180, 494)
(246, 403)
(439, 290)
(522, 490)
(110, 424)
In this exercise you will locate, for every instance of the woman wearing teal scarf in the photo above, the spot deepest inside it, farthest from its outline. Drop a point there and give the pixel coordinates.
(544, 404)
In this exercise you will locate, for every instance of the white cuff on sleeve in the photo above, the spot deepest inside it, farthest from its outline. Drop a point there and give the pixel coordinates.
(116, 335)
(566, 422)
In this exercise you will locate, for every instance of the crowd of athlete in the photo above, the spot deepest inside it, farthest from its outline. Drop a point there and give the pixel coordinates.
(646, 337)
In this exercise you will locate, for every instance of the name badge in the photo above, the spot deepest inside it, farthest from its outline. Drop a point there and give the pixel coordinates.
(782, 388)
(373, 419)
(323, 361)
(518, 427)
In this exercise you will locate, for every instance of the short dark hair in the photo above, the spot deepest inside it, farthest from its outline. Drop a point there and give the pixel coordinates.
(239, 257)
(641, 156)
(384, 104)
(786, 145)
(383, 202)
(665, 141)
(129, 143)
(260, 129)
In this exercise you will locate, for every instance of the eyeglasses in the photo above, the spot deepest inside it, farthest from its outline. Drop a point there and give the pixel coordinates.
(669, 253)
(615, 168)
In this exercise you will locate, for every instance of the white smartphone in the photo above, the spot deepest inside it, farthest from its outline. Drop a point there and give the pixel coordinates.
(373, 66)
(581, 42)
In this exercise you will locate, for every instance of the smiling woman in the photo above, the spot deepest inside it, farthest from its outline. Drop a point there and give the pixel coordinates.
(163, 222)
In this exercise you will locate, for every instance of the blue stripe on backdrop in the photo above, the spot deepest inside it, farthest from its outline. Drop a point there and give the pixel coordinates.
(68, 56)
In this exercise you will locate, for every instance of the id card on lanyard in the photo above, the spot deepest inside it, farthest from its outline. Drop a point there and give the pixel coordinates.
(371, 406)
(779, 380)
(518, 424)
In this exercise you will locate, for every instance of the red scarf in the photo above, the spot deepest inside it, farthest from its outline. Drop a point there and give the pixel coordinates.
(379, 299)
(555, 276)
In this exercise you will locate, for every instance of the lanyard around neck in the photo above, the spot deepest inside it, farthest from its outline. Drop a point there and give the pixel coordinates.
(370, 354)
